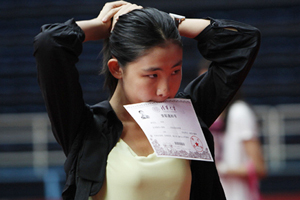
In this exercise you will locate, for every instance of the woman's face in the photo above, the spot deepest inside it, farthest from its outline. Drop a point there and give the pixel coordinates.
(155, 76)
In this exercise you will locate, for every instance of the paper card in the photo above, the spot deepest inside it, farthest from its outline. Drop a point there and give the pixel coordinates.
(172, 128)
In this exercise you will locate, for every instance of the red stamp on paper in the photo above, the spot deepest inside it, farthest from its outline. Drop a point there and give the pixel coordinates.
(196, 143)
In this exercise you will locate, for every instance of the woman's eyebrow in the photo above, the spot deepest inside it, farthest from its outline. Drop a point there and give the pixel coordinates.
(151, 69)
(177, 64)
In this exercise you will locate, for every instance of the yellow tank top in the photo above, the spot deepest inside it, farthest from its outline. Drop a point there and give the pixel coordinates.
(133, 177)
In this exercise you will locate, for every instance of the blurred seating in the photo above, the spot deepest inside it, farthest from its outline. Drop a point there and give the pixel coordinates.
(30, 158)
(29, 155)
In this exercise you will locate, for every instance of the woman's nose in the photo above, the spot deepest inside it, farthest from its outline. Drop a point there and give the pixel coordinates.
(163, 89)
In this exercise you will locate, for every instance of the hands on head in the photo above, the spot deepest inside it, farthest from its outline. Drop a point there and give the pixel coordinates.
(101, 26)
(113, 10)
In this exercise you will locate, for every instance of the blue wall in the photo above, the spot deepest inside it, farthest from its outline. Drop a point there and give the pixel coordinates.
(274, 78)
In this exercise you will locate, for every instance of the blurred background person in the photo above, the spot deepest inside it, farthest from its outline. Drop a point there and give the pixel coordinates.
(238, 151)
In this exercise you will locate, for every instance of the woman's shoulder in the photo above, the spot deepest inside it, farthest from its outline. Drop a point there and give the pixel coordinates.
(103, 112)
(102, 107)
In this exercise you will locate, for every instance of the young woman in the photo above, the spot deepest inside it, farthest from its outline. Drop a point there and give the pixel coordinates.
(108, 155)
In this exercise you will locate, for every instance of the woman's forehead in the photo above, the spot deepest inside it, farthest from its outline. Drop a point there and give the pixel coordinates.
(158, 57)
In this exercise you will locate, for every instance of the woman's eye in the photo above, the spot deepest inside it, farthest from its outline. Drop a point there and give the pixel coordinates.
(176, 72)
(152, 75)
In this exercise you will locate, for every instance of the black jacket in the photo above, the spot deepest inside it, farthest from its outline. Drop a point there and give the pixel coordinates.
(88, 133)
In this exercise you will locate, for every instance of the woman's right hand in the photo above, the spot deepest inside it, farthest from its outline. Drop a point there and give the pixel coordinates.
(101, 26)
(108, 12)
(113, 14)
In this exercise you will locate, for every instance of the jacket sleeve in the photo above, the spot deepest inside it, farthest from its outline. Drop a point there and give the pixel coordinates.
(56, 50)
(232, 53)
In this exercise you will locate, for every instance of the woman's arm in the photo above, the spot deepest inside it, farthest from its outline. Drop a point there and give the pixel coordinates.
(232, 48)
(191, 28)
(255, 165)
(254, 151)
(56, 50)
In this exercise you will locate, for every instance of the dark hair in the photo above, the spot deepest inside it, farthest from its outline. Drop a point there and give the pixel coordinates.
(134, 34)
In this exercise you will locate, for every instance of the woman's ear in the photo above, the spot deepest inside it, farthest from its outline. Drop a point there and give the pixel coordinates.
(114, 68)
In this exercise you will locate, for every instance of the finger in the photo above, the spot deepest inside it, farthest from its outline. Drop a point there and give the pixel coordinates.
(126, 9)
(109, 9)
(115, 4)
(110, 14)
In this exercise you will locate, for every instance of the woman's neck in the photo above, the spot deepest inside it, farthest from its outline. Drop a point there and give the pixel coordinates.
(117, 101)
